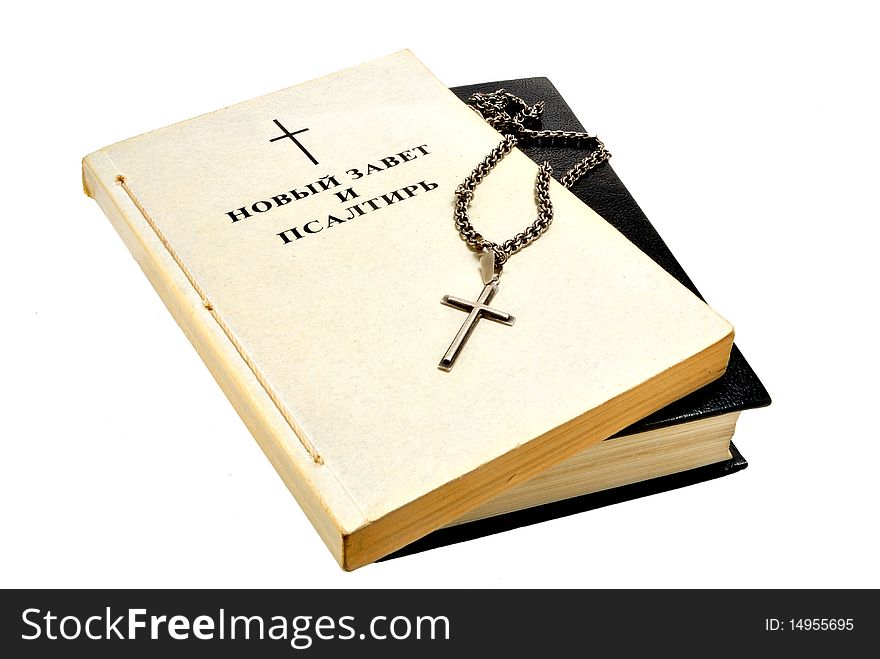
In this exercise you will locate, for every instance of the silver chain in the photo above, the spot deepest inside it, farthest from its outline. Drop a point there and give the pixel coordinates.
(512, 116)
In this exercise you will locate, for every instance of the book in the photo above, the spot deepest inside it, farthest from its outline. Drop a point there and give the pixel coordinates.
(303, 241)
(706, 418)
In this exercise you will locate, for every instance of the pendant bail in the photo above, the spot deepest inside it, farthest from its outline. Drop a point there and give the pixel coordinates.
(488, 270)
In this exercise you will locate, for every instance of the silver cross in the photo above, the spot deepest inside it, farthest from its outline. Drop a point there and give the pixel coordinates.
(476, 311)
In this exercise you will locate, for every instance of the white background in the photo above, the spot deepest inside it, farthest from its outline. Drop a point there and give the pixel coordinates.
(749, 137)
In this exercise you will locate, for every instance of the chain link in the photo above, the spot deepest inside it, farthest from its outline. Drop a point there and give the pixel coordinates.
(512, 116)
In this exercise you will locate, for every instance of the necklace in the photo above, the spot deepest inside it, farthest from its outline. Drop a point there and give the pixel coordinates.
(513, 117)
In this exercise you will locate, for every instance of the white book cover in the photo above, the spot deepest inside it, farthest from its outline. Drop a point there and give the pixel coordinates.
(304, 239)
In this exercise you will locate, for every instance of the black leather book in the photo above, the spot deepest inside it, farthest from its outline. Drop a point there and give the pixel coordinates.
(739, 389)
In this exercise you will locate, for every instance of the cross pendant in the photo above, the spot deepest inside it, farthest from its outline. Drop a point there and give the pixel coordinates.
(476, 311)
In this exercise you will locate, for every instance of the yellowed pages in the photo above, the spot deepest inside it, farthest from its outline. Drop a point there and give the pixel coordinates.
(334, 336)
(617, 462)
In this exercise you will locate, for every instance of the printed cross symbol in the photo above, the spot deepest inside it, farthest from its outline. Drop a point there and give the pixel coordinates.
(292, 136)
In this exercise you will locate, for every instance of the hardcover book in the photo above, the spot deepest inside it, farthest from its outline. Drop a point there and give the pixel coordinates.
(304, 240)
(684, 443)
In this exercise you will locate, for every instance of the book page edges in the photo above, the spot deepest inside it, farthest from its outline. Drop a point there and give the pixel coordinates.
(621, 461)
(323, 499)
(452, 500)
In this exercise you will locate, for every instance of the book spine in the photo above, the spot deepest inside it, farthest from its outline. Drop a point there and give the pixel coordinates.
(309, 480)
